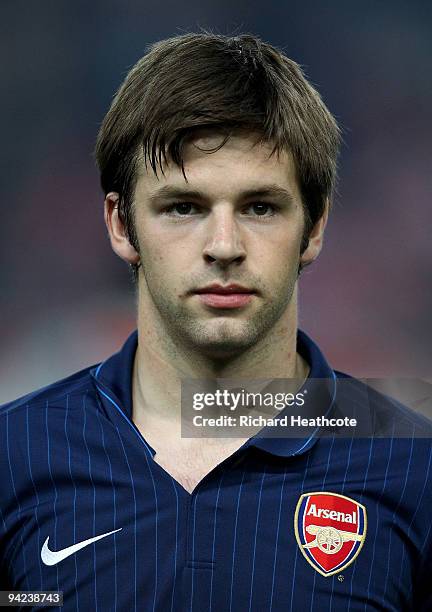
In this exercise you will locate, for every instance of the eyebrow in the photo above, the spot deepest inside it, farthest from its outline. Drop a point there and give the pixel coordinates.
(170, 192)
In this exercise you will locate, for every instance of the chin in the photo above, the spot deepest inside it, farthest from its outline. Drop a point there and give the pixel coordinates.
(223, 342)
(225, 348)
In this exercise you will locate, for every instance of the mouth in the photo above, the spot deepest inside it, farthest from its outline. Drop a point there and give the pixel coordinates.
(228, 296)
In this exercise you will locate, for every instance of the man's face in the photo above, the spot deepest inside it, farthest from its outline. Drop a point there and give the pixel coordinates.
(237, 220)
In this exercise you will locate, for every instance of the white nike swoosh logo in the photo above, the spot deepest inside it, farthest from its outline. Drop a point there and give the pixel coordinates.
(51, 557)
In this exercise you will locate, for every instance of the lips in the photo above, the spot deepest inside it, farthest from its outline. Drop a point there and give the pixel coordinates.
(228, 296)
(224, 290)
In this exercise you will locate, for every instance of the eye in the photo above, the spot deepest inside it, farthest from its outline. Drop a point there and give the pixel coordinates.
(262, 209)
(181, 209)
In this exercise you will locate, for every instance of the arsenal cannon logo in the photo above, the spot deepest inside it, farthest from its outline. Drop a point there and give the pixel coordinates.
(330, 530)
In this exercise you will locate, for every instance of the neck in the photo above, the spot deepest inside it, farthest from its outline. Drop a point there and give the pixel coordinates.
(161, 362)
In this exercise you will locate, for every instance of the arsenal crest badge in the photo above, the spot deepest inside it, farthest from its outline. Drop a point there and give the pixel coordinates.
(330, 530)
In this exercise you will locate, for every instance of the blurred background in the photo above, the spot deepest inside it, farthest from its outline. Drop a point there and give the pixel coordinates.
(67, 302)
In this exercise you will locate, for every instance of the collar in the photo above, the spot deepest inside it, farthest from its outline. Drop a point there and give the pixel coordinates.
(319, 389)
(115, 374)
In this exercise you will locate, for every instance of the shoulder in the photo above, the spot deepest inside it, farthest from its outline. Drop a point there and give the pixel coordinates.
(36, 427)
(67, 389)
(391, 439)
(388, 416)
(390, 461)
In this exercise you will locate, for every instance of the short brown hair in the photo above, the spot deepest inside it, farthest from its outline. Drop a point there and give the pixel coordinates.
(207, 80)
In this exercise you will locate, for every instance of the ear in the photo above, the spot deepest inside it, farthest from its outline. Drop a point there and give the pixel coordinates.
(117, 232)
(316, 238)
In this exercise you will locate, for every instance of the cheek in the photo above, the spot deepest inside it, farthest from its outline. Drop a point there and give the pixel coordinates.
(163, 244)
(164, 257)
(164, 265)
(278, 254)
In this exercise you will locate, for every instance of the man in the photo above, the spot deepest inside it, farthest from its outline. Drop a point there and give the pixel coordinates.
(218, 162)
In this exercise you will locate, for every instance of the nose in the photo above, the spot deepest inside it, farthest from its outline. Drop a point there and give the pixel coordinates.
(224, 245)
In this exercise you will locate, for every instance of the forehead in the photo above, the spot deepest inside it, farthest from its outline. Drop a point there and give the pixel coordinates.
(217, 164)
